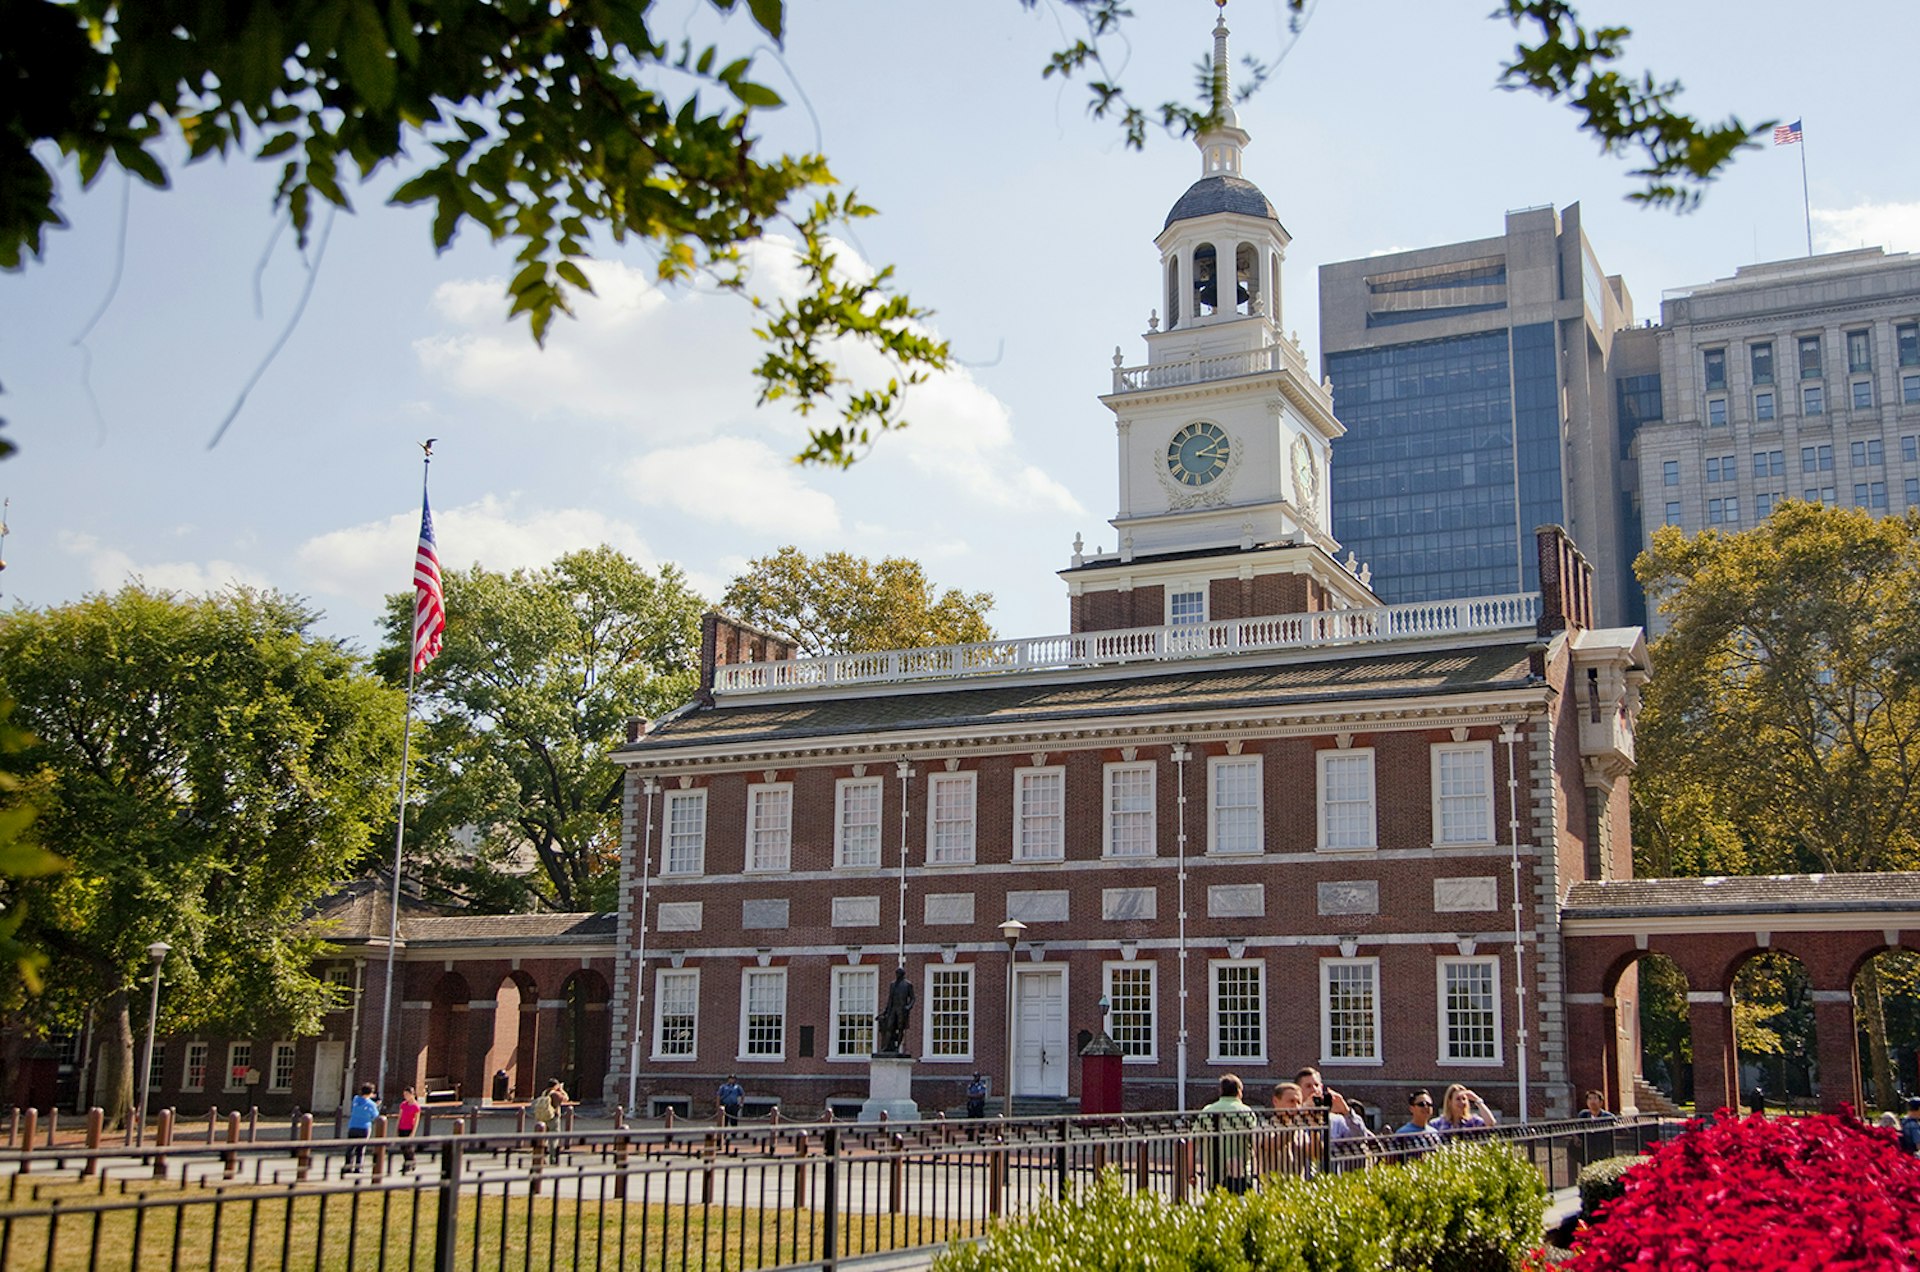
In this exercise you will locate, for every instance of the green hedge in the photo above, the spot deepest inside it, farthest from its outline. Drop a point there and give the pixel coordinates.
(1604, 1180)
(1471, 1208)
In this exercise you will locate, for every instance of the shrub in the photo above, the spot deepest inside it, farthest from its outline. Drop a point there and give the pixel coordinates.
(1604, 1180)
(1471, 1208)
(1807, 1193)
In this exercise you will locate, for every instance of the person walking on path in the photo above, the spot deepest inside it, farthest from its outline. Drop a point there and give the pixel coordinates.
(409, 1120)
(1230, 1120)
(730, 1095)
(546, 1116)
(360, 1118)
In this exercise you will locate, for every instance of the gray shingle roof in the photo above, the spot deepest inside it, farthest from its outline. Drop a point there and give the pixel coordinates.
(1744, 894)
(1221, 194)
(491, 928)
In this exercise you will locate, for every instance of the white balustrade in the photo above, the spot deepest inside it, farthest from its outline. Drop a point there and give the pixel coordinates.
(1001, 658)
(1224, 366)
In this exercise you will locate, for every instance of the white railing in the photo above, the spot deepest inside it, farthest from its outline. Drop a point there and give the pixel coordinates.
(1223, 366)
(1136, 645)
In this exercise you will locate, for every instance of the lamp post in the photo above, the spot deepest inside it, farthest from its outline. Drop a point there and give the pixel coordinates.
(1010, 932)
(158, 953)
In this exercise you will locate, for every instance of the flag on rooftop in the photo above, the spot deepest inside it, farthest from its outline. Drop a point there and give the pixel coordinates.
(429, 602)
(1787, 134)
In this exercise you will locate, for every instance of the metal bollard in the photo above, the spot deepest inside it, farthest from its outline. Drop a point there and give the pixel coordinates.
(897, 1177)
(302, 1134)
(1182, 1169)
(1142, 1167)
(13, 1126)
(96, 1123)
(53, 1124)
(997, 1180)
(230, 1161)
(213, 1122)
(162, 1137)
(253, 1124)
(669, 1117)
(28, 1126)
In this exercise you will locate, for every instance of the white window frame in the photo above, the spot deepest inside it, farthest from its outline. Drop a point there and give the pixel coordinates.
(769, 847)
(842, 977)
(1327, 1056)
(689, 976)
(842, 790)
(235, 1050)
(689, 841)
(1214, 967)
(1214, 765)
(1327, 758)
(772, 975)
(1027, 784)
(1440, 751)
(1188, 587)
(274, 1055)
(1152, 970)
(953, 854)
(930, 1016)
(1764, 406)
(195, 1051)
(156, 1066)
(1110, 774)
(1444, 1043)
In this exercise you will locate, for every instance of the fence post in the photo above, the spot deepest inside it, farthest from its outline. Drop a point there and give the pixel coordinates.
(253, 1123)
(620, 1154)
(29, 1125)
(162, 1136)
(707, 1153)
(13, 1126)
(897, 1176)
(997, 1176)
(213, 1123)
(302, 1134)
(801, 1170)
(53, 1124)
(96, 1121)
(830, 1214)
(1142, 1166)
(231, 1166)
(378, 1132)
(446, 1216)
(1061, 1157)
(1182, 1169)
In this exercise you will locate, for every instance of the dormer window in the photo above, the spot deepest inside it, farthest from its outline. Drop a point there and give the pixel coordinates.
(1186, 605)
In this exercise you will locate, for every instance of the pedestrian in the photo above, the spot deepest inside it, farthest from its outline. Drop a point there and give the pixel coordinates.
(1910, 1126)
(977, 1096)
(1340, 1120)
(1462, 1110)
(1597, 1108)
(409, 1120)
(730, 1096)
(1417, 1133)
(1228, 1121)
(546, 1117)
(360, 1118)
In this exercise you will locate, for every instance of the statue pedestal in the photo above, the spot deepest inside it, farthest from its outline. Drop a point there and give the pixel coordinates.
(890, 1090)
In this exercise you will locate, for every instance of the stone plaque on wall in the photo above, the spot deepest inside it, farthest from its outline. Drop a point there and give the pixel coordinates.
(677, 916)
(1037, 907)
(949, 908)
(764, 914)
(1350, 896)
(1470, 894)
(1129, 903)
(856, 912)
(1237, 901)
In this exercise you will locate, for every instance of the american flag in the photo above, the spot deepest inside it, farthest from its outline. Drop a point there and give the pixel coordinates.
(429, 603)
(1787, 134)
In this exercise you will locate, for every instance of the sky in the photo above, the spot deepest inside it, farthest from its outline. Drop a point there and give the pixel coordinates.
(1024, 225)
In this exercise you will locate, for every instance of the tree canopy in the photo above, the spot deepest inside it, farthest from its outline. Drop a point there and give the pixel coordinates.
(544, 123)
(838, 603)
(538, 674)
(209, 770)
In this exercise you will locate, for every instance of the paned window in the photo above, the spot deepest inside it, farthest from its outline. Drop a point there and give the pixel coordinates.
(1871, 495)
(676, 1013)
(1721, 468)
(1130, 812)
(1350, 1010)
(856, 821)
(1762, 358)
(1470, 1010)
(1130, 1008)
(763, 1013)
(1763, 405)
(1463, 793)
(1673, 512)
(1235, 825)
(1816, 459)
(1910, 390)
(1716, 412)
(1346, 799)
(280, 1074)
(158, 1065)
(770, 827)
(1670, 472)
(950, 1012)
(239, 1061)
(1912, 489)
(1859, 351)
(1910, 448)
(195, 1077)
(1809, 357)
(1862, 395)
(856, 992)
(1715, 365)
(1769, 463)
(1819, 494)
(1812, 400)
(1764, 501)
(1871, 451)
(950, 816)
(1723, 511)
(1186, 608)
(1040, 812)
(1906, 337)
(686, 832)
(1237, 1007)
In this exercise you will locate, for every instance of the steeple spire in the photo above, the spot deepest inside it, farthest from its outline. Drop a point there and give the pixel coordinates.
(1222, 79)
(1220, 145)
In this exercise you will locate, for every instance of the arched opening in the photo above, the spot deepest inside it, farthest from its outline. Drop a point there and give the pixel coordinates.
(1886, 1014)
(1173, 292)
(1206, 280)
(516, 1020)
(1666, 1033)
(1774, 1037)
(584, 1036)
(445, 1063)
(1246, 269)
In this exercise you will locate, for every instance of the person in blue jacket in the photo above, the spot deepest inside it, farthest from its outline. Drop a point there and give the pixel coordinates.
(360, 1118)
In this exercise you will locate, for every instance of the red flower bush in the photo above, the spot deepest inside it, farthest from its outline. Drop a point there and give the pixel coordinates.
(1754, 1194)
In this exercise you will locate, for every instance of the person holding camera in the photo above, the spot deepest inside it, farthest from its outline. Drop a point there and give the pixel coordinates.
(1462, 1110)
(1341, 1122)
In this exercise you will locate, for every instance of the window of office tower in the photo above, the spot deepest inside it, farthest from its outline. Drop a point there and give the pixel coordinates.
(1809, 357)
(1762, 358)
(1715, 364)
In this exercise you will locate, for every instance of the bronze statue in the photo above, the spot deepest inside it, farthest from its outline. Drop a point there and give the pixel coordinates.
(891, 1023)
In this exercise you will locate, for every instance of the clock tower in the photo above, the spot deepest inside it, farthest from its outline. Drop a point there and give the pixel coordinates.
(1223, 435)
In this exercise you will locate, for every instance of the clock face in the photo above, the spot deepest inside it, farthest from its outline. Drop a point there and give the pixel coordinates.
(1198, 453)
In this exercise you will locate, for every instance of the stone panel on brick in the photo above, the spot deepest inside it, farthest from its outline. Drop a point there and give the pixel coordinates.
(856, 912)
(678, 916)
(1350, 896)
(1471, 894)
(1038, 907)
(1237, 901)
(949, 908)
(1119, 904)
(764, 914)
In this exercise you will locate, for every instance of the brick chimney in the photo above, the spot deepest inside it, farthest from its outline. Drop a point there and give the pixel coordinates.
(725, 641)
(1566, 584)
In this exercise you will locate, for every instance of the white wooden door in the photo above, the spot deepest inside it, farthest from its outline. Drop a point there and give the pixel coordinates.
(1040, 1036)
(329, 1073)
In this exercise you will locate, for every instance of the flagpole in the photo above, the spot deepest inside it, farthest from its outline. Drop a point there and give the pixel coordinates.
(400, 825)
(1806, 204)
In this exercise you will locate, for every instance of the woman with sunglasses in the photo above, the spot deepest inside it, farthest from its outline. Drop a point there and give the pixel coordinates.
(1462, 1110)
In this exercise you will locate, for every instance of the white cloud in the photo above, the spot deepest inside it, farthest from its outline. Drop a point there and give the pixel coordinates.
(367, 561)
(1894, 226)
(109, 568)
(738, 482)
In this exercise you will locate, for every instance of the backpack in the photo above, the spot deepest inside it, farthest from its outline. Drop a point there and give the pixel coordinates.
(543, 1109)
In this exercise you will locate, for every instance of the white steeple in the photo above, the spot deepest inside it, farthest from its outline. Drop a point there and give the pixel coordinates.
(1220, 146)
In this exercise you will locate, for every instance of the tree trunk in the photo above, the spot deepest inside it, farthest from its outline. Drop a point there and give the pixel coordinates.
(116, 1061)
(1867, 1005)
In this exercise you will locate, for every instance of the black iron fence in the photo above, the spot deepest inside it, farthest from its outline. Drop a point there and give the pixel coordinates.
(794, 1196)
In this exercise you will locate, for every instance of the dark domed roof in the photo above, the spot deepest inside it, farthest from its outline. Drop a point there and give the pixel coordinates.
(1221, 193)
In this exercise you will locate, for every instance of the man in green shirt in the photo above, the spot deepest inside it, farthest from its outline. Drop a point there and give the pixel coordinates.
(1227, 1124)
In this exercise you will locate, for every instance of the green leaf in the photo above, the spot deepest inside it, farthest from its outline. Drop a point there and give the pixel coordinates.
(141, 164)
(400, 30)
(365, 53)
(278, 144)
(757, 96)
(770, 16)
